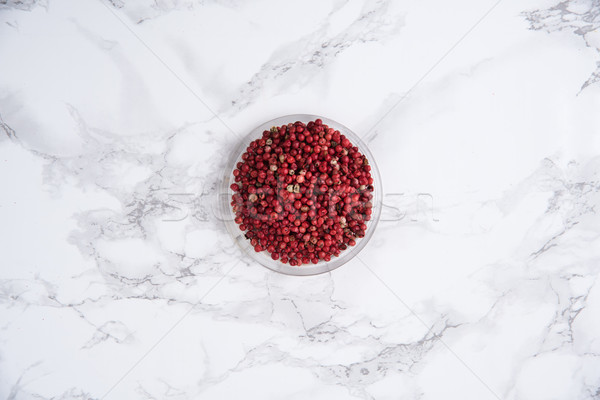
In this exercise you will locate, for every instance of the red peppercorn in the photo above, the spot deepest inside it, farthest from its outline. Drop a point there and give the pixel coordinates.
(302, 192)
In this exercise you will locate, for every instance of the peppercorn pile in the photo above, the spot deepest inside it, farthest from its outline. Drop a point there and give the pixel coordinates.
(302, 192)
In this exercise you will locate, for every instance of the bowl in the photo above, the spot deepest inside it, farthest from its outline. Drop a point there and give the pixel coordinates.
(264, 257)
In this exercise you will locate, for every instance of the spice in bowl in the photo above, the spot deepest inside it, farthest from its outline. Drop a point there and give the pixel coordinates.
(302, 192)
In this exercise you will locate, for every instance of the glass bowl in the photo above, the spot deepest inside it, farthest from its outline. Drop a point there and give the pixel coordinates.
(264, 257)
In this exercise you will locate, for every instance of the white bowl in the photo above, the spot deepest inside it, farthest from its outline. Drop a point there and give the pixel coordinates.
(263, 257)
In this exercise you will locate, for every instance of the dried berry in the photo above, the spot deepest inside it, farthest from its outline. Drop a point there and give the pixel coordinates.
(302, 192)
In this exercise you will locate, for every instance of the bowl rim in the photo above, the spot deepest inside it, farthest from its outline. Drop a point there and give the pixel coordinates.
(263, 257)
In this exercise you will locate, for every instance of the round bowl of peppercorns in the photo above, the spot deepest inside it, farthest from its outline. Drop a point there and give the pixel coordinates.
(303, 194)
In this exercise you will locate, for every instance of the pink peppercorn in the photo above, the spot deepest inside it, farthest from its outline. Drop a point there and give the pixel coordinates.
(302, 193)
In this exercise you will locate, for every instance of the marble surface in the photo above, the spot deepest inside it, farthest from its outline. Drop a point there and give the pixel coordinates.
(118, 281)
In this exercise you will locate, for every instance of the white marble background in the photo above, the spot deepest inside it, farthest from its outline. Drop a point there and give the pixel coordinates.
(117, 281)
